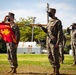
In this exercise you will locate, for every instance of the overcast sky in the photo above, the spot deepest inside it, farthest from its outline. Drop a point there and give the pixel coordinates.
(66, 10)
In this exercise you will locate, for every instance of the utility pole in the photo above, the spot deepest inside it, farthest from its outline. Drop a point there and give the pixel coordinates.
(47, 13)
(33, 18)
(47, 23)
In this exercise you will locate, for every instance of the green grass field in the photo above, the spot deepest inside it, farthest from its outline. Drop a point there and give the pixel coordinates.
(36, 64)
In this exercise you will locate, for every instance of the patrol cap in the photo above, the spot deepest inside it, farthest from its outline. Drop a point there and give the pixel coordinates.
(73, 23)
(11, 14)
(51, 10)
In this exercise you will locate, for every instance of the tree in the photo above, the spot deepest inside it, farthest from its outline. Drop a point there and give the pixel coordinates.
(2, 46)
(26, 30)
(39, 34)
(68, 41)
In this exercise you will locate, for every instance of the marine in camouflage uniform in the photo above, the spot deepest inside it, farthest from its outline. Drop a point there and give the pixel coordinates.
(12, 47)
(73, 40)
(54, 32)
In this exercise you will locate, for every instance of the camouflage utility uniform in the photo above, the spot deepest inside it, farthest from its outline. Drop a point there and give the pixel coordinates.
(12, 48)
(55, 34)
(73, 41)
(54, 29)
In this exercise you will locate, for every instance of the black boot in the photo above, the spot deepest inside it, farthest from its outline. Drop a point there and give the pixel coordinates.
(14, 71)
(56, 71)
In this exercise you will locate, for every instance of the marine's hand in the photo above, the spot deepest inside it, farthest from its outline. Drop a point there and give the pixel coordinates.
(5, 18)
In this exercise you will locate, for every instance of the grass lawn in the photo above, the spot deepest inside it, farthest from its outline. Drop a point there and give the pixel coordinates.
(36, 64)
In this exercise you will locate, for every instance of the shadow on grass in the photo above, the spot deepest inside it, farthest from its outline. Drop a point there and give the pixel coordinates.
(32, 73)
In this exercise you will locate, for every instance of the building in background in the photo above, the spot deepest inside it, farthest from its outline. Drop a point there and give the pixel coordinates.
(28, 48)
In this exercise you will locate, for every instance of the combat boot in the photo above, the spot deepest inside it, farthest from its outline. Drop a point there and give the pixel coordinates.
(14, 71)
(75, 62)
(56, 71)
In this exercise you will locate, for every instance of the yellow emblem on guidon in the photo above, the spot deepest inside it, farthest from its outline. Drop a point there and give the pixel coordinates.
(5, 31)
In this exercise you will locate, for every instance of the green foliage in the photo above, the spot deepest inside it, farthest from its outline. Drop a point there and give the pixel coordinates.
(23, 21)
(2, 46)
(68, 42)
(67, 48)
(25, 33)
(68, 39)
(26, 30)
(39, 34)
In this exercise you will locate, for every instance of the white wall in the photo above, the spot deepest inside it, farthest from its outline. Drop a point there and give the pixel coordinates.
(28, 47)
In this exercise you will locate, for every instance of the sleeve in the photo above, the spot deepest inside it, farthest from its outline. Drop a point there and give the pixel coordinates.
(17, 34)
(60, 32)
(44, 29)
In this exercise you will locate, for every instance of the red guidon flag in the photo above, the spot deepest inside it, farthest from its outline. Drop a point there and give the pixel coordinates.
(6, 33)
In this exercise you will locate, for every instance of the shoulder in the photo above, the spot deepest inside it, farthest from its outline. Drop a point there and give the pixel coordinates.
(59, 23)
(15, 25)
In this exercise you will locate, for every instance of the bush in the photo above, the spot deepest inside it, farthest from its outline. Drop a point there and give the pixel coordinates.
(66, 49)
(2, 46)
